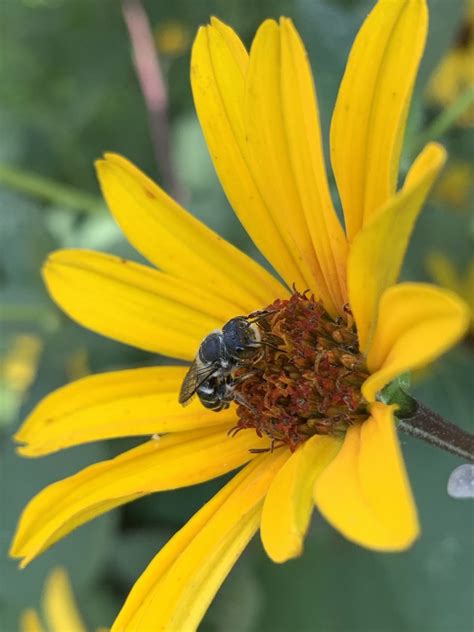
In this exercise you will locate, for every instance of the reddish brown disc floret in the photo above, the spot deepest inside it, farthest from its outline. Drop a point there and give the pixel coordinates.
(308, 376)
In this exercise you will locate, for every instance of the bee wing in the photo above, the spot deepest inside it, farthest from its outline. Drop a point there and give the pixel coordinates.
(189, 385)
(192, 380)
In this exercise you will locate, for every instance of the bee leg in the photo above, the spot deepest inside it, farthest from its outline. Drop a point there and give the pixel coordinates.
(239, 399)
(270, 346)
(241, 378)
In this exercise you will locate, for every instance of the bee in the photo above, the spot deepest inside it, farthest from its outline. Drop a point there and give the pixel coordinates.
(211, 375)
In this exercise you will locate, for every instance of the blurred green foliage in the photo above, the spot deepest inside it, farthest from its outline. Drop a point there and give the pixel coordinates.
(68, 92)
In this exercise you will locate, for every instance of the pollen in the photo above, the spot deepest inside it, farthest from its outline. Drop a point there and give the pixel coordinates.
(307, 379)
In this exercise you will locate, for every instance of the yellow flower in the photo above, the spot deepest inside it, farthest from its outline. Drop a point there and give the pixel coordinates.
(18, 366)
(445, 273)
(456, 185)
(172, 38)
(60, 609)
(260, 119)
(455, 73)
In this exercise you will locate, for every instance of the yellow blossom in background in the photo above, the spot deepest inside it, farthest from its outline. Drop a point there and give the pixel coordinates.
(455, 73)
(444, 272)
(172, 38)
(77, 365)
(456, 185)
(59, 606)
(259, 115)
(18, 366)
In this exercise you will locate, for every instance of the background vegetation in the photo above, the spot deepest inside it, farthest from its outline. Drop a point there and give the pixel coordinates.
(69, 92)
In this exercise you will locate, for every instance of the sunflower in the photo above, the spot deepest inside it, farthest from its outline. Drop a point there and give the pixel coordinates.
(321, 435)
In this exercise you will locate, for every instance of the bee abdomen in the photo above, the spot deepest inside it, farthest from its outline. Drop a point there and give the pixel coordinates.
(214, 394)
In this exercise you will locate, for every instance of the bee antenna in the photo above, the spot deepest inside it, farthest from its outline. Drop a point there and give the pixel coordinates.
(256, 317)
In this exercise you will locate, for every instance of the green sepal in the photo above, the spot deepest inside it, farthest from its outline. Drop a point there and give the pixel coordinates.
(396, 393)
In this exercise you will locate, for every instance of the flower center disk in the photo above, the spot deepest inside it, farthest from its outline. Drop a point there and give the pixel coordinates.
(307, 379)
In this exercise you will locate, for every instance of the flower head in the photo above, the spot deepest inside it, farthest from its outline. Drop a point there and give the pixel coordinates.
(311, 430)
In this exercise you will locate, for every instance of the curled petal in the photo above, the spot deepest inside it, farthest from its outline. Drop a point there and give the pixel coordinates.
(364, 492)
(416, 324)
(376, 255)
(289, 501)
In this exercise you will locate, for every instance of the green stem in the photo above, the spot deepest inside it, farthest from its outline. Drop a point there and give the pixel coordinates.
(443, 122)
(29, 313)
(39, 187)
(423, 423)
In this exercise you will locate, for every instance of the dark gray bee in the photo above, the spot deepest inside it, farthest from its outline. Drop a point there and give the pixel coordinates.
(212, 373)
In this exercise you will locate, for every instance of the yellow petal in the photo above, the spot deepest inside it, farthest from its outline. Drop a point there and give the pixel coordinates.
(175, 590)
(62, 614)
(218, 70)
(177, 242)
(118, 404)
(416, 324)
(365, 492)
(176, 460)
(30, 621)
(289, 501)
(302, 133)
(284, 148)
(371, 109)
(376, 255)
(132, 303)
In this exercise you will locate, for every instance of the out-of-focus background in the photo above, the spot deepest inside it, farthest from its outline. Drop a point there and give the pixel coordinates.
(69, 91)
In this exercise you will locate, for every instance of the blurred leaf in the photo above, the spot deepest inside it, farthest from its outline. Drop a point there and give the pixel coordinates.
(174, 507)
(133, 551)
(82, 553)
(239, 602)
(24, 241)
(99, 604)
(437, 230)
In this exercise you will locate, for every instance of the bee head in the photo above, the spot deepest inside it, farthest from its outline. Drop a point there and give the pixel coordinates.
(241, 338)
